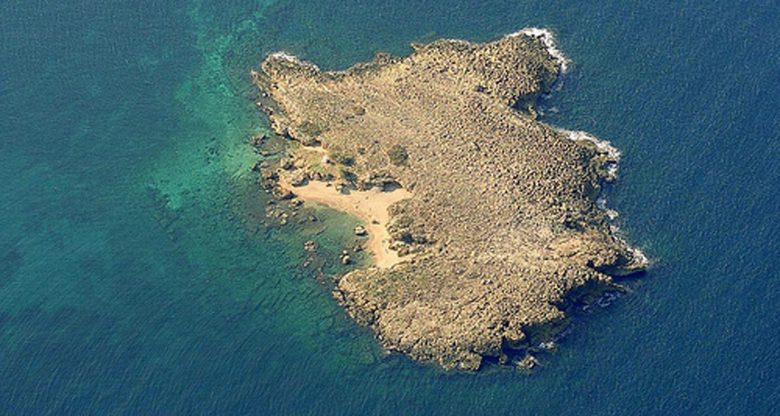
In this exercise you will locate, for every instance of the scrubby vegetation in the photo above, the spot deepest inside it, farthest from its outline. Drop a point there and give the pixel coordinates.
(398, 155)
(342, 157)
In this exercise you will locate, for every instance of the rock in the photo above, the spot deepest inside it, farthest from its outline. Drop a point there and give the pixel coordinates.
(258, 139)
(287, 164)
(309, 141)
(527, 363)
(402, 250)
(360, 231)
(299, 178)
(310, 246)
(268, 174)
(346, 260)
(283, 193)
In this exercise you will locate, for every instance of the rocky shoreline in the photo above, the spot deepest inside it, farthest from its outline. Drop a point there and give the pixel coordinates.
(499, 230)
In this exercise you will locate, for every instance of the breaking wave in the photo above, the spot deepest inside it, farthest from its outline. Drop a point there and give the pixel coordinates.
(548, 39)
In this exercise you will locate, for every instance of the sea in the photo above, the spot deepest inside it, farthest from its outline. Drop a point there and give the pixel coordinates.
(140, 276)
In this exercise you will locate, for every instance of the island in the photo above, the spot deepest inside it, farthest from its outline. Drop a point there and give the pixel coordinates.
(486, 224)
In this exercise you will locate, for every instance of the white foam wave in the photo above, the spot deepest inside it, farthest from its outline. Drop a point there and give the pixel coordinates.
(613, 155)
(285, 56)
(601, 203)
(457, 41)
(603, 146)
(548, 39)
(639, 256)
(291, 58)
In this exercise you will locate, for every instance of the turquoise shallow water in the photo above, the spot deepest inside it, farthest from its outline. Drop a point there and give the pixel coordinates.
(136, 277)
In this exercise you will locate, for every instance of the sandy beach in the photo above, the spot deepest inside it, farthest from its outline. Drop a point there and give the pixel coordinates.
(370, 206)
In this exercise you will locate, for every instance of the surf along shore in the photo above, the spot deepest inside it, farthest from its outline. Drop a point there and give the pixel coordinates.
(483, 221)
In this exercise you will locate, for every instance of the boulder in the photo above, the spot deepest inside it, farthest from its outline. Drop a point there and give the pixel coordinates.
(527, 363)
(299, 178)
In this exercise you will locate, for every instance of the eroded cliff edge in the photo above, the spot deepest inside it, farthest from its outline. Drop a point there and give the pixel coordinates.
(500, 230)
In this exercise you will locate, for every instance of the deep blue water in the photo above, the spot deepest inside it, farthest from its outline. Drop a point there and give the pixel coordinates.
(136, 277)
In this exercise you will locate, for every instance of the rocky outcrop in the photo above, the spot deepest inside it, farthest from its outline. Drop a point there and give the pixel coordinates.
(502, 220)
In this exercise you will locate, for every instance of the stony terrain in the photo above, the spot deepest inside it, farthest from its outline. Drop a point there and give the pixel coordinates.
(501, 231)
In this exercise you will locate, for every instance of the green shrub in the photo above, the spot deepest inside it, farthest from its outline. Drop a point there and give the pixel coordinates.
(398, 155)
(310, 129)
(342, 157)
(348, 175)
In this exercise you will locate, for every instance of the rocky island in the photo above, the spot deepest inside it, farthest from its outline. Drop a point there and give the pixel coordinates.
(484, 222)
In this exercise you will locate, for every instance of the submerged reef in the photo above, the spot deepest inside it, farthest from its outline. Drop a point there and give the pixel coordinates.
(494, 229)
